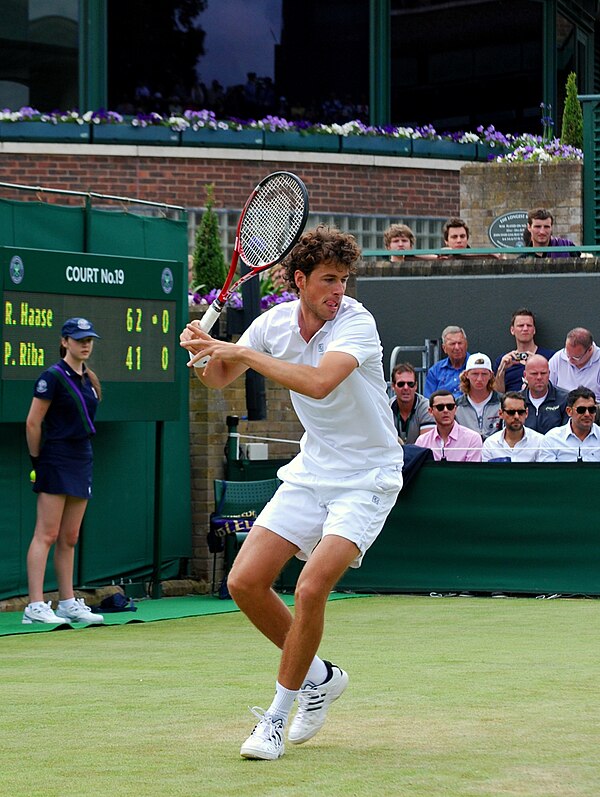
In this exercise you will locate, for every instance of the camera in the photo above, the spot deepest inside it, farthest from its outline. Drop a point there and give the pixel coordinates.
(521, 355)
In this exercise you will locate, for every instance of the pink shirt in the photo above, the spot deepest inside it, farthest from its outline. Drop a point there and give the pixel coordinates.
(462, 445)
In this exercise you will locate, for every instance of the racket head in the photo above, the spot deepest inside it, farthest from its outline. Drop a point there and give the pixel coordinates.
(272, 220)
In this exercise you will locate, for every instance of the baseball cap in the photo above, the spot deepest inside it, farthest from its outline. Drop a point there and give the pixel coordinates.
(478, 360)
(78, 328)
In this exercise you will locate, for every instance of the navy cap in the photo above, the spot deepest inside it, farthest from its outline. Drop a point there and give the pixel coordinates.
(78, 328)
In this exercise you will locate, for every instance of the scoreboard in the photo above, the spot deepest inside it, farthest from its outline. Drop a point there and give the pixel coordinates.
(136, 306)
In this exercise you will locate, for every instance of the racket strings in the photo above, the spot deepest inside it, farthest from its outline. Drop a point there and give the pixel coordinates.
(271, 222)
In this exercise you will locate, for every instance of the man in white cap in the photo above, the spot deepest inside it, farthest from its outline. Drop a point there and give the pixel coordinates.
(479, 407)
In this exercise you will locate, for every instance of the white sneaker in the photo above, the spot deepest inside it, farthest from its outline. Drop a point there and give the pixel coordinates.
(40, 613)
(266, 740)
(78, 612)
(313, 704)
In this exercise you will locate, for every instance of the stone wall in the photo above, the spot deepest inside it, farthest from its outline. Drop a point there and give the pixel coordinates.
(488, 190)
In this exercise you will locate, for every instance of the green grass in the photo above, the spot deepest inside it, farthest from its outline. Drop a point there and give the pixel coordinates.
(450, 697)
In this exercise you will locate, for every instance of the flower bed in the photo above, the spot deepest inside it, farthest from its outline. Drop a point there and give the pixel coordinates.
(485, 143)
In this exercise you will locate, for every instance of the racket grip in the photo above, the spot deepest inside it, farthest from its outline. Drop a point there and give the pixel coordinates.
(207, 322)
(210, 317)
(201, 363)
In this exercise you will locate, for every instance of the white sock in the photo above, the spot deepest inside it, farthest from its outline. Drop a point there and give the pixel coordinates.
(67, 604)
(37, 603)
(317, 672)
(282, 702)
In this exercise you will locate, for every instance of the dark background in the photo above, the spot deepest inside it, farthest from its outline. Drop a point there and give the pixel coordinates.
(412, 308)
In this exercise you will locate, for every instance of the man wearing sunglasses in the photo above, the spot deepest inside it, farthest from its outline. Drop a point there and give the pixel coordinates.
(410, 409)
(449, 440)
(579, 439)
(515, 441)
(578, 364)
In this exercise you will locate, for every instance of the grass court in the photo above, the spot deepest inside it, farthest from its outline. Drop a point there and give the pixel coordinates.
(453, 697)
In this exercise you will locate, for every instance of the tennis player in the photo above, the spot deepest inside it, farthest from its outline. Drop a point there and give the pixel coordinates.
(338, 491)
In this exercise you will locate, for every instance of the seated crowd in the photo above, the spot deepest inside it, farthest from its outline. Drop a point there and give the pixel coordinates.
(537, 234)
(533, 405)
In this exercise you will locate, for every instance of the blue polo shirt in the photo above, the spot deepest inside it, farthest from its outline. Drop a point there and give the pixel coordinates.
(443, 376)
(63, 421)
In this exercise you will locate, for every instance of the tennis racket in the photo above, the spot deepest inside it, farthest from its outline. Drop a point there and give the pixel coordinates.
(271, 222)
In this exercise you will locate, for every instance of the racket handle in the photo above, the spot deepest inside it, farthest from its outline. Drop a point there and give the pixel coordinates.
(210, 317)
(207, 322)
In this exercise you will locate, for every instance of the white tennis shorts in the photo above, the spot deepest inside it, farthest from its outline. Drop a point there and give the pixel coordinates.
(306, 507)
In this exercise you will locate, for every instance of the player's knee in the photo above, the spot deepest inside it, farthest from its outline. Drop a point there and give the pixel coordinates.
(310, 593)
(240, 583)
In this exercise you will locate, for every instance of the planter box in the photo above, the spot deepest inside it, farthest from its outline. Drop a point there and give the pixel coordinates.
(154, 135)
(294, 140)
(376, 145)
(245, 139)
(44, 131)
(443, 149)
(484, 151)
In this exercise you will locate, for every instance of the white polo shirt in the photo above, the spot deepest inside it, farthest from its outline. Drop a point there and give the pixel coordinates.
(561, 445)
(352, 429)
(526, 450)
(567, 376)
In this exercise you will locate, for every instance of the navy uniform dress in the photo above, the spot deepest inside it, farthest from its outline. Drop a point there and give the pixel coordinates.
(66, 459)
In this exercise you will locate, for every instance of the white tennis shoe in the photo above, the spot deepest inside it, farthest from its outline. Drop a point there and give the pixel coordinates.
(78, 612)
(266, 740)
(314, 702)
(40, 613)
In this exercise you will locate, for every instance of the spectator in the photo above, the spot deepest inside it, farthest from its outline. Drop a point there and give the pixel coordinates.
(401, 237)
(448, 440)
(546, 404)
(446, 373)
(578, 364)
(539, 234)
(579, 439)
(509, 368)
(515, 442)
(398, 237)
(410, 409)
(456, 237)
(478, 408)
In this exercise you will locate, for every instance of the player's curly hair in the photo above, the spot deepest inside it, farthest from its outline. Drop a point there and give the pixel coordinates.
(322, 245)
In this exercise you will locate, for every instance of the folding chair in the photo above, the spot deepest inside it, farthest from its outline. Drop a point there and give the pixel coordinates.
(234, 500)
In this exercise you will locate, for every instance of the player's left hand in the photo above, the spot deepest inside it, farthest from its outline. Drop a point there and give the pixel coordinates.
(193, 338)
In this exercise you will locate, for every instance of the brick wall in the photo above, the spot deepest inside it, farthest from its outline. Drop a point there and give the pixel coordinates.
(341, 184)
